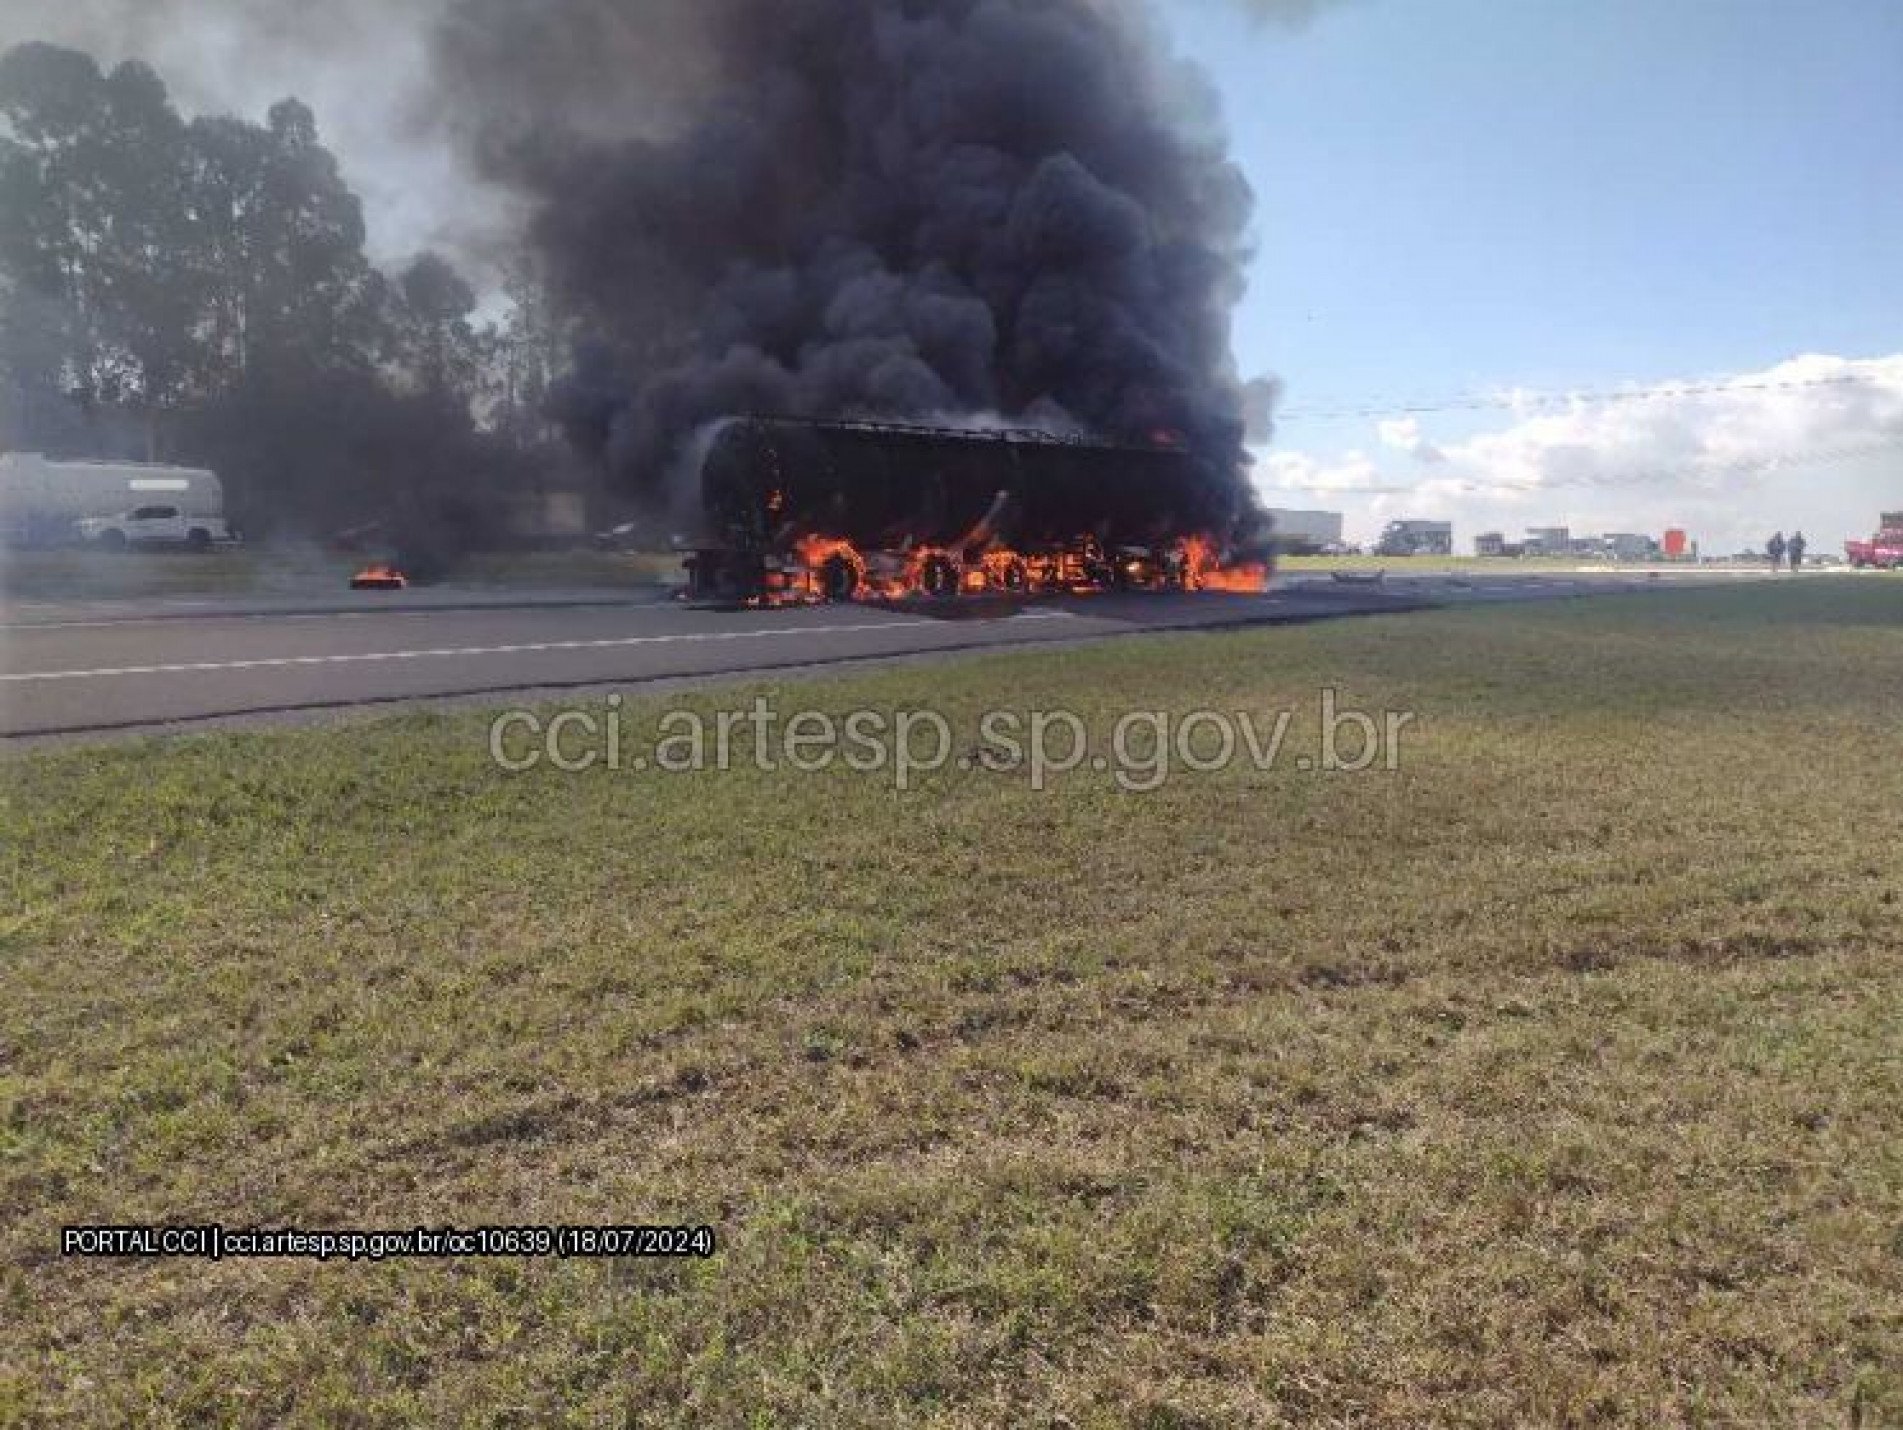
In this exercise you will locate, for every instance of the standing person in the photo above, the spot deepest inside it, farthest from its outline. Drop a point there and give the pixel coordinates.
(1774, 548)
(1797, 550)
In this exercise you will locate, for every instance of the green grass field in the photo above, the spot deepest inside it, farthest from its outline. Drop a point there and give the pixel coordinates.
(1556, 1077)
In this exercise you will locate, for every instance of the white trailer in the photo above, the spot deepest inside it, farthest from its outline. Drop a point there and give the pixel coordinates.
(43, 502)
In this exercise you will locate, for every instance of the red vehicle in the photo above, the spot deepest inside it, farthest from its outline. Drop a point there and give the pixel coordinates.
(1884, 551)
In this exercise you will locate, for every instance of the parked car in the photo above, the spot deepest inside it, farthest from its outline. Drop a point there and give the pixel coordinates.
(153, 526)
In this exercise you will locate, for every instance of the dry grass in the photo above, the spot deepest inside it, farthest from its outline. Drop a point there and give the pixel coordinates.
(1557, 1078)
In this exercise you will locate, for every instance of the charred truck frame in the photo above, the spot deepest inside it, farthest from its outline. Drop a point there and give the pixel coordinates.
(799, 511)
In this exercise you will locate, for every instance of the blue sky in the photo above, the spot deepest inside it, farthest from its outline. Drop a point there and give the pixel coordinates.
(1472, 193)
(1459, 196)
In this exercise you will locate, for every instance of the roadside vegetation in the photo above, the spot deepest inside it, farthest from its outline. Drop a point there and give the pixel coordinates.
(1556, 1077)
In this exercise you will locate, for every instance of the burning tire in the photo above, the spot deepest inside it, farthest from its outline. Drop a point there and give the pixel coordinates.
(379, 578)
(938, 578)
(838, 580)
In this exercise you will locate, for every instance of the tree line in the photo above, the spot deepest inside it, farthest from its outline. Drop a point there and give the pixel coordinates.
(198, 291)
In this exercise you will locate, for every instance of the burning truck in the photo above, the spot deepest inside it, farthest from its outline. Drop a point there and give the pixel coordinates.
(798, 511)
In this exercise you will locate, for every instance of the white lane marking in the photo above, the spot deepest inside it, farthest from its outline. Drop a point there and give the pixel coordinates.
(465, 652)
(121, 621)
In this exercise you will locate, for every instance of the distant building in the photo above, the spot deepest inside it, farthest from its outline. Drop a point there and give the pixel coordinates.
(1417, 538)
(1490, 543)
(1549, 541)
(1306, 531)
(1631, 546)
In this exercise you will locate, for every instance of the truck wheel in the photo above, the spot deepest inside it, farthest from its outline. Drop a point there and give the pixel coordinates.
(939, 579)
(838, 579)
(198, 538)
(112, 541)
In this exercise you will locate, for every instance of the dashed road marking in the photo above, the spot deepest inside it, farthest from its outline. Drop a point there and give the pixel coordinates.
(474, 652)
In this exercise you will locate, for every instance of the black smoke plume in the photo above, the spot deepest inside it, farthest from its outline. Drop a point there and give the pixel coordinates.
(949, 209)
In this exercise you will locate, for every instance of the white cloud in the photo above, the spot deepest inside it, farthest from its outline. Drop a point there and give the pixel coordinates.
(1282, 476)
(1815, 442)
(1404, 435)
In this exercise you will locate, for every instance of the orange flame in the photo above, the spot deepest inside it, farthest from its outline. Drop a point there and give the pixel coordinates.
(825, 568)
(379, 576)
(1237, 580)
(1204, 571)
(817, 551)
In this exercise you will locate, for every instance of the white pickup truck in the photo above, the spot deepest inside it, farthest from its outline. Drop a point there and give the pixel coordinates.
(153, 526)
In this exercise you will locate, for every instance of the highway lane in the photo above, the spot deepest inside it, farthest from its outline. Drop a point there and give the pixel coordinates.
(69, 668)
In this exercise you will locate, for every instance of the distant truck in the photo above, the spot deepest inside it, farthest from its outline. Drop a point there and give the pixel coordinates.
(55, 503)
(1884, 551)
(1416, 538)
(1306, 533)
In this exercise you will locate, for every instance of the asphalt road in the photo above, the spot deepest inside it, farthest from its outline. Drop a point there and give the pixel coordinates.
(74, 668)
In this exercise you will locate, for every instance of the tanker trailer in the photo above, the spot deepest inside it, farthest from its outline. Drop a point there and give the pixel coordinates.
(797, 511)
